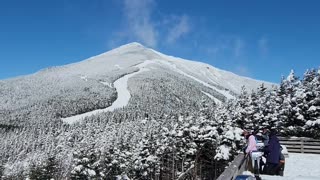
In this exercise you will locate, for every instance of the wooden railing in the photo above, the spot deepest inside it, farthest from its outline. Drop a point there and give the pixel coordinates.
(301, 144)
(293, 144)
(235, 168)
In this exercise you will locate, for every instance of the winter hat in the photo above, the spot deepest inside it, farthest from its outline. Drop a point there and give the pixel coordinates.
(273, 131)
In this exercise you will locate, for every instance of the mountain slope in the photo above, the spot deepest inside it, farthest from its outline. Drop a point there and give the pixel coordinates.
(89, 85)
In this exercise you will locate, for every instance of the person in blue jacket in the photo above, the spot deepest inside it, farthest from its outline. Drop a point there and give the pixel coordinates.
(273, 153)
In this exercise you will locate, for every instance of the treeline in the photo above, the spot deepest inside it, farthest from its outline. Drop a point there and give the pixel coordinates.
(151, 114)
(178, 146)
(293, 107)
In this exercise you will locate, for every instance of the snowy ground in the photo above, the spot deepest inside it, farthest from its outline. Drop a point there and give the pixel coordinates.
(299, 167)
(122, 100)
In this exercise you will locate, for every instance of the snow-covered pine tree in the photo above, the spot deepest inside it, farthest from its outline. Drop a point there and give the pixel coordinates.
(251, 114)
(47, 170)
(261, 109)
(291, 109)
(228, 133)
(86, 164)
(271, 111)
(241, 104)
(116, 162)
(146, 163)
(311, 82)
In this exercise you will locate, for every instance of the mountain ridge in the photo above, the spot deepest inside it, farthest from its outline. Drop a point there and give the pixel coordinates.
(130, 47)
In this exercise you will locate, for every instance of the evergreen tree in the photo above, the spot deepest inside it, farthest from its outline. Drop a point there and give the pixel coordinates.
(311, 84)
(1, 171)
(241, 115)
(86, 164)
(292, 108)
(146, 163)
(46, 171)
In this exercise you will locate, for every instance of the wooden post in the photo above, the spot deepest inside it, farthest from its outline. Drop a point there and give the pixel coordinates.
(302, 147)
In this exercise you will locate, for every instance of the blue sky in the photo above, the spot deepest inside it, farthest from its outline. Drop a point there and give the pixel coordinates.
(259, 39)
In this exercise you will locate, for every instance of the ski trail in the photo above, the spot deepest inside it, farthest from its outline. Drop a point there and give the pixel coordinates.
(175, 68)
(122, 100)
(212, 97)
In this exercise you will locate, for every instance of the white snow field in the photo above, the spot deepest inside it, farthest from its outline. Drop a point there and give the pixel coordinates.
(299, 167)
(123, 96)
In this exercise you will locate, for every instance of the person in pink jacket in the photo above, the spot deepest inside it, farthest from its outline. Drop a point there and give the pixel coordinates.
(251, 146)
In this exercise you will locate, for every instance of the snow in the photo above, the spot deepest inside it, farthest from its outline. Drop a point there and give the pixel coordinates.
(122, 177)
(85, 78)
(107, 84)
(78, 168)
(312, 108)
(291, 76)
(174, 67)
(91, 172)
(290, 178)
(102, 65)
(313, 123)
(284, 150)
(229, 135)
(299, 167)
(223, 152)
(212, 76)
(128, 56)
(151, 158)
(108, 66)
(212, 97)
(118, 66)
(309, 123)
(122, 100)
(238, 132)
(205, 74)
(301, 117)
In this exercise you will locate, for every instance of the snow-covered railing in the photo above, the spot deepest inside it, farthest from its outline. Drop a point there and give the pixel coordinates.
(301, 144)
(234, 169)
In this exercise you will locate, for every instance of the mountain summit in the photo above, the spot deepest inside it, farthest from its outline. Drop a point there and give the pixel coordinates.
(126, 56)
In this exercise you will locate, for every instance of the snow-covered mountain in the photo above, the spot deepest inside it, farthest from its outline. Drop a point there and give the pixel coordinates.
(136, 113)
(129, 55)
(107, 81)
(132, 112)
